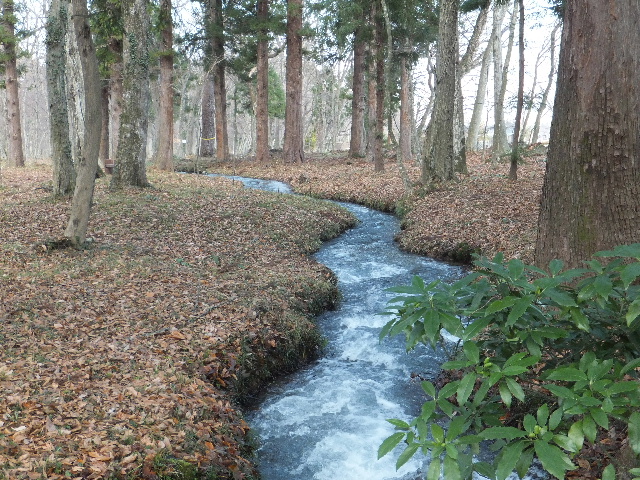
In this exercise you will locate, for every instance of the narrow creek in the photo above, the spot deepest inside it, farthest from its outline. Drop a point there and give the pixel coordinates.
(327, 420)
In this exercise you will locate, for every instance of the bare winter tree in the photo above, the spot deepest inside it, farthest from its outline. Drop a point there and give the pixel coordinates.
(87, 162)
(9, 41)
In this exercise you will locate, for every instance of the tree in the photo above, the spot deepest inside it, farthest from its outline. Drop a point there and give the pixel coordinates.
(131, 157)
(64, 173)
(88, 151)
(214, 99)
(207, 112)
(439, 163)
(591, 193)
(356, 143)
(293, 141)
(262, 87)
(108, 29)
(220, 87)
(164, 153)
(378, 130)
(515, 147)
(10, 60)
(550, 79)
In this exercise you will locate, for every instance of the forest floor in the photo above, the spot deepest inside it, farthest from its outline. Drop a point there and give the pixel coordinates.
(483, 212)
(126, 359)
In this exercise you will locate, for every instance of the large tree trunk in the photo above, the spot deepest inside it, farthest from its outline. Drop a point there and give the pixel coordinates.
(478, 106)
(293, 141)
(131, 158)
(219, 83)
(262, 87)
(64, 173)
(15, 150)
(515, 152)
(164, 154)
(591, 194)
(439, 164)
(88, 152)
(356, 144)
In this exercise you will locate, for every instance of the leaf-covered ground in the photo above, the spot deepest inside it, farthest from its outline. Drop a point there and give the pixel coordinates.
(117, 361)
(482, 212)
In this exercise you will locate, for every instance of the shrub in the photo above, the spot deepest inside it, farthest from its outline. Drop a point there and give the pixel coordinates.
(546, 361)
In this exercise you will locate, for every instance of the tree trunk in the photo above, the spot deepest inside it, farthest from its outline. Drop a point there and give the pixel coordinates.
(591, 194)
(262, 87)
(116, 98)
(439, 163)
(356, 144)
(459, 141)
(515, 152)
(64, 173)
(130, 168)
(88, 159)
(219, 83)
(103, 155)
(545, 95)
(404, 152)
(164, 154)
(293, 142)
(478, 106)
(208, 128)
(15, 152)
(378, 153)
(499, 133)
(371, 101)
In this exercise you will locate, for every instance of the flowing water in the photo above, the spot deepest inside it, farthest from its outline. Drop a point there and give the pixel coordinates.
(327, 420)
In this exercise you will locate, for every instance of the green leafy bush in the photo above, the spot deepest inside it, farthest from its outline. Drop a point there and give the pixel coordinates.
(546, 361)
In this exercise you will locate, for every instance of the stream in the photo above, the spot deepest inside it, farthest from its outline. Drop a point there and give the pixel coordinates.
(327, 420)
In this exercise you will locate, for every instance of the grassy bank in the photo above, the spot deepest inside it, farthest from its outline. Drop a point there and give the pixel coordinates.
(125, 360)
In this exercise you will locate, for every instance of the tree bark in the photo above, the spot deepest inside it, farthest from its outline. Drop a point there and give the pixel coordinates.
(591, 194)
(130, 168)
(293, 141)
(15, 151)
(439, 163)
(64, 173)
(164, 153)
(262, 87)
(515, 151)
(88, 159)
(356, 144)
